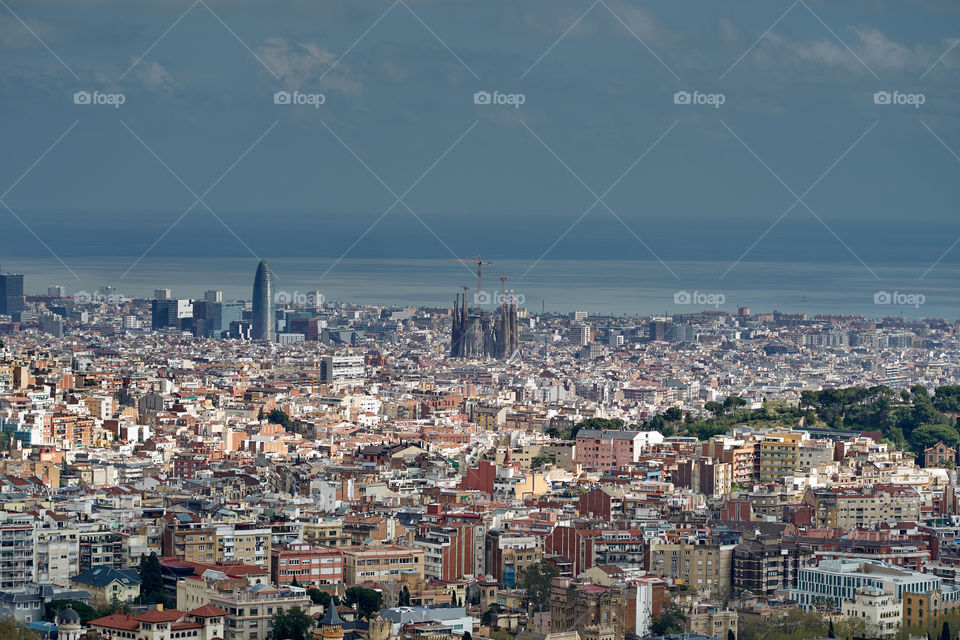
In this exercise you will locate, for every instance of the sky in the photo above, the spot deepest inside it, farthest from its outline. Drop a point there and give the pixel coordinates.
(664, 132)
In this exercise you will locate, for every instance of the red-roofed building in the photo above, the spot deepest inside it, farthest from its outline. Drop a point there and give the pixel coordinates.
(205, 623)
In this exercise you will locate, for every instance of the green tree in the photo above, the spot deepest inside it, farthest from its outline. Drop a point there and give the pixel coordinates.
(13, 629)
(669, 621)
(404, 600)
(945, 631)
(501, 634)
(539, 460)
(279, 417)
(321, 597)
(927, 435)
(537, 579)
(487, 618)
(85, 611)
(830, 632)
(734, 403)
(151, 578)
(715, 408)
(366, 601)
(731, 635)
(292, 623)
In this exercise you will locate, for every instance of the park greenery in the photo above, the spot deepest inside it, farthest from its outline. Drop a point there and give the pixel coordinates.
(911, 420)
(292, 623)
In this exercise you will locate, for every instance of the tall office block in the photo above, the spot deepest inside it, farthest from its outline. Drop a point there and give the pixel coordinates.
(263, 316)
(11, 295)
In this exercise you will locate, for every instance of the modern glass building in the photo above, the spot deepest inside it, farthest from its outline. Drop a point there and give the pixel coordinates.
(263, 316)
(11, 295)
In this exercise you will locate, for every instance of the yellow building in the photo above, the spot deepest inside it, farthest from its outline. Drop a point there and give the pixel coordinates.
(380, 563)
(779, 455)
(926, 610)
(107, 584)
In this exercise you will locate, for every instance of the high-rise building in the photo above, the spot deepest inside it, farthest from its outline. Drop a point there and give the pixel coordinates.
(213, 296)
(171, 313)
(11, 295)
(263, 315)
(161, 294)
(56, 291)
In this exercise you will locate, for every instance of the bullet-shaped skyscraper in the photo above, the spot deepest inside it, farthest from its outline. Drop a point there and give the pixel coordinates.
(263, 315)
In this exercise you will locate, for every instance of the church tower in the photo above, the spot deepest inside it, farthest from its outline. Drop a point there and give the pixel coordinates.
(380, 629)
(331, 627)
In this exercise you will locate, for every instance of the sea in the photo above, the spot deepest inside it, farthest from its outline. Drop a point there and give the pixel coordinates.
(601, 287)
(553, 264)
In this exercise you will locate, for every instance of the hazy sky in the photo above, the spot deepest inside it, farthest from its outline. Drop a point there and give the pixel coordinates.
(876, 183)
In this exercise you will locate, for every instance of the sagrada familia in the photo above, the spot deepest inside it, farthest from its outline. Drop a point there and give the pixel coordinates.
(478, 333)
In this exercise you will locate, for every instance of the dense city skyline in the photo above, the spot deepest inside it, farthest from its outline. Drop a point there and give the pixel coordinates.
(479, 320)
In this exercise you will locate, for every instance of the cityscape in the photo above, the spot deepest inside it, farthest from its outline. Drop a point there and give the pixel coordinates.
(426, 320)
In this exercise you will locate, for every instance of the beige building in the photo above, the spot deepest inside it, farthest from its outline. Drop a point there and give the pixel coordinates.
(249, 609)
(107, 584)
(882, 612)
(702, 567)
(380, 563)
(243, 543)
(326, 533)
(710, 620)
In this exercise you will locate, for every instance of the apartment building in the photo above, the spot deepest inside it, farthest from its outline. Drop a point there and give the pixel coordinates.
(859, 508)
(508, 555)
(766, 566)
(305, 563)
(612, 449)
(16, 550)
(700, 566)
(243, 542)
(187, 537)
(326, 533)
(380, 563)
(57, 549)
(249, 610)
(448, 550)
(777, 456)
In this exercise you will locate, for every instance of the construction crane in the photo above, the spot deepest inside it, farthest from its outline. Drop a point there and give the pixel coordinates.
(479, 261)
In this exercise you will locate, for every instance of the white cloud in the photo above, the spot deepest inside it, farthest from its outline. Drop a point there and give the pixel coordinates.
(876, 50)
(155, 78)
(301, 64)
